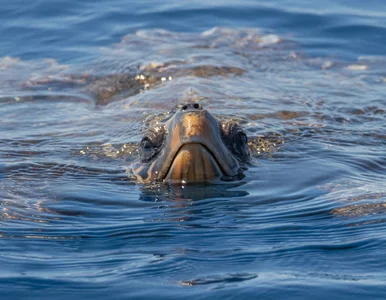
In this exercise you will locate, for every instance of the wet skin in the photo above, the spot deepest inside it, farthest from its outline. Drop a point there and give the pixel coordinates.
(192, 147)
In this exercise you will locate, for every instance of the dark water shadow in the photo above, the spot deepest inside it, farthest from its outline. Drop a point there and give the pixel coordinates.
(165, 192)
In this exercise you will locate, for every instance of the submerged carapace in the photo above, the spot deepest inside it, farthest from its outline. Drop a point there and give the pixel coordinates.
(191, 147)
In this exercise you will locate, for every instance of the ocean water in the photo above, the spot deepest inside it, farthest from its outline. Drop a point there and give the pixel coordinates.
(306, 80)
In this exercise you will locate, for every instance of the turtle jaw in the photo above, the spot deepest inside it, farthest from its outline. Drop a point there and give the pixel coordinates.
(193, 162)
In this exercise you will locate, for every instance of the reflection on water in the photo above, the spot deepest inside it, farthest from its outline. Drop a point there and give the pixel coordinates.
(308, 218)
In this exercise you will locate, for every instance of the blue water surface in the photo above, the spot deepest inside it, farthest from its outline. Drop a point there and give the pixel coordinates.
(68, 30)
(306, 77)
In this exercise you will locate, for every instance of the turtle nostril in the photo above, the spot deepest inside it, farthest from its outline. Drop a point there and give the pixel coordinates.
(191, 106)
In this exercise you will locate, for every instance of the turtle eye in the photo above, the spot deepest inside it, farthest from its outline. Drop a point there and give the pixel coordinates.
(240, 143)
(241, 138)
(151, 144)
(235, 139)
(146, 144)
(148, 149)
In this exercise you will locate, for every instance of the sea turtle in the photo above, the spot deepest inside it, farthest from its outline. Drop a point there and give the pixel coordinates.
(192, 146)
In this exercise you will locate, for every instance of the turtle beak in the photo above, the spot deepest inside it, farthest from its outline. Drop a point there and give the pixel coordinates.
(193, 163)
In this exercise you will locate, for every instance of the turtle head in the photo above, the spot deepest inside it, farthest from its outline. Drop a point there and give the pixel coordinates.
(192, 146)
